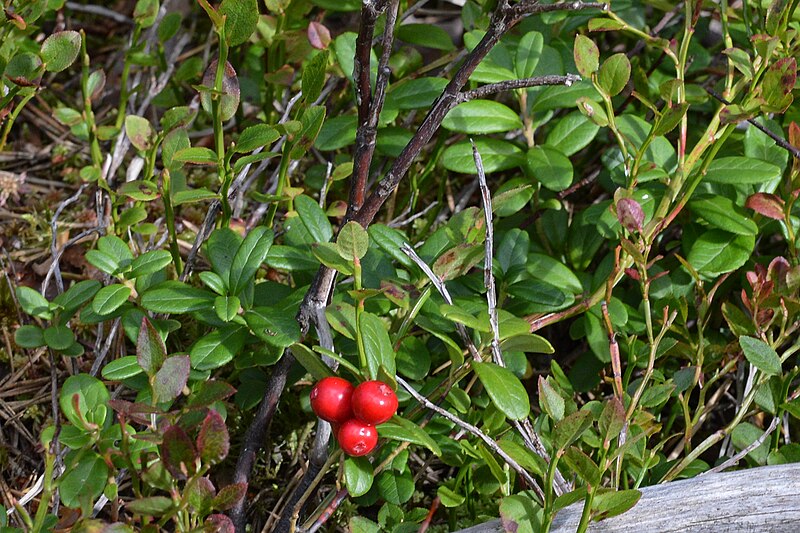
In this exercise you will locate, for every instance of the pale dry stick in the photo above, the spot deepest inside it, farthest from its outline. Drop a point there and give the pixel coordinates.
(54, 268)
(99, 10)
(733, 461)
(445, 294)
(466, 426)
(524, 427)
(60, 252)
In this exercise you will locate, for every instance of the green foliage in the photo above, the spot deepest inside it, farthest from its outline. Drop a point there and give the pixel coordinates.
(643, 241)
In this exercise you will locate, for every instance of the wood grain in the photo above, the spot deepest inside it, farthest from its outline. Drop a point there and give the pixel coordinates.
(763, 500)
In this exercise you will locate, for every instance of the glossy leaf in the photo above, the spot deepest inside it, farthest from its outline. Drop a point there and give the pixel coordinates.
(481, 116)
(248, 258)
(60, 50)
(505, 389)
(761, 355)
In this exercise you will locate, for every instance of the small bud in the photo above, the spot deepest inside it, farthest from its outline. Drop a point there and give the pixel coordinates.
(630, 214)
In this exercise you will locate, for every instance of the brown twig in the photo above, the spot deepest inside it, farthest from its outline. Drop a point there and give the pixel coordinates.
(369, 107)
(257, 431)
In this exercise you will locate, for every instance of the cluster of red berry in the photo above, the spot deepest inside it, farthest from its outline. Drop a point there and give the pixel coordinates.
(354, 411)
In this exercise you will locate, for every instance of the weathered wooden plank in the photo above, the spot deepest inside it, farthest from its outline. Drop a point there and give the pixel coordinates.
(763, 500)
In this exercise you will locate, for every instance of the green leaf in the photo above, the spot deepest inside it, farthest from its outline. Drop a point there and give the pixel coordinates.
(171, 378)
(428, 35)
(91, 403)
(448, 497)
(586, 55)
(457, 314)
(521, 514)
(572, 133)
(33, 303)
(227, 307)
(255, 137)
(377, 345)
(328, 254)
(176, 297)
(358, 476)
(150, 262)
(761, 355)
(614, 74)
(550, 167)
(496, 154)
(613, 503)
(337, 133)
(550, 400)
(481, 116)
(524, 457)
(310, 361)
(150, 349)
(82, 483)
(241, 19)
(738, 170)
(197, 155)
(151, 506)
(505, 389)
(248, 258)
(139, 190)
(417, 93)
(352, 241)
(314, 76)
(583, 465)
(217, 348)
(275, 326)
(314, 218)
(221, 247)
(571, 428)
(59, 337)
(395, 488)
(529, 51)
(398, 428)
(716, 252)
(146, 12)
(723, 213)
(110, 298)
(60, 50)
(29, 337)
(229, 496)
(527, 343)
(140, 132)
(74, 297)
(122, 368)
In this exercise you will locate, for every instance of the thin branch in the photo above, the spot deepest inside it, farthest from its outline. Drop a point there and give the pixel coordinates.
(56, 256)
(369, 107)
(533, 7)
(733, 461)
(509, 85)
(491, 443)
(442, 289)
(524, 428)
(256, 433)
(766, 131)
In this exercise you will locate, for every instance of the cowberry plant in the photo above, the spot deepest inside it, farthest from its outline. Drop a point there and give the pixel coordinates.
(563, 233)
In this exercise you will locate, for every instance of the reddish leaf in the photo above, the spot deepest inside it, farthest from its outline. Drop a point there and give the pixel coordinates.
(794, 134)
(209, 392)
(171, 379)
(150, 349)
(178, 453)
(318, 35)
(218, 523)
(769, 205)
(213, 442)
(630, 214)
(229, 496)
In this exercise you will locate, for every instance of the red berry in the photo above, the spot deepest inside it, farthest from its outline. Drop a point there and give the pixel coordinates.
(357, 438)
(330, 399)
(374, 402)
